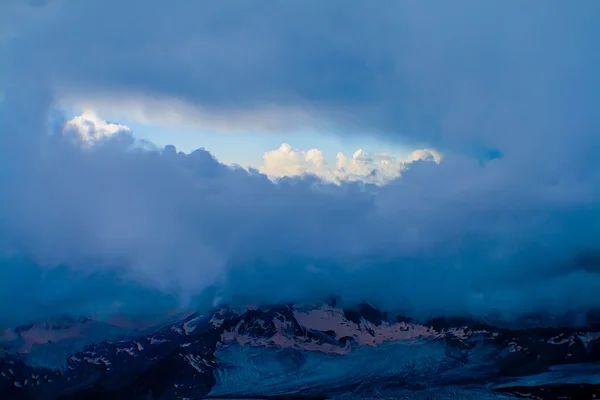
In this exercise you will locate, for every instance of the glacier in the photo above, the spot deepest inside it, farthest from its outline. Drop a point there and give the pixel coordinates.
(300, 351)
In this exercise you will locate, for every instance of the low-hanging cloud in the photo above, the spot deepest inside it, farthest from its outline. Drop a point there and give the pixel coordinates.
(500, 224)
(186, 226)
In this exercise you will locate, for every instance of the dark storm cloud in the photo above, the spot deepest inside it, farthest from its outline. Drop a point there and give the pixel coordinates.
(506, 90)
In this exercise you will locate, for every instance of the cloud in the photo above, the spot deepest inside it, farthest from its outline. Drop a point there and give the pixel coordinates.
(508, 94)
(89, 128)
(409, 72)
(175, 112)
(188, 227)
(376, 168)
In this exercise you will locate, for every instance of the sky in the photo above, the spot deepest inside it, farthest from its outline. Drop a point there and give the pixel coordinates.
(435, 157)
(245, 148)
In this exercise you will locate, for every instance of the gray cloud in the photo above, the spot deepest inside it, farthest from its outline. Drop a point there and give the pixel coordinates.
(507, 91)
(451, 237)
(461, 74)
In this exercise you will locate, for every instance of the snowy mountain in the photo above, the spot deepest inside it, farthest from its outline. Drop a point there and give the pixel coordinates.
(300, 352)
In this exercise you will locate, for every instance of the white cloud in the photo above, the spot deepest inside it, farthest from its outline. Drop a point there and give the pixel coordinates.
(376, 168)
(89, 128)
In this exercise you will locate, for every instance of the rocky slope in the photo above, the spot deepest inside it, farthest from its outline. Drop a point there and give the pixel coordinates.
(299, 352)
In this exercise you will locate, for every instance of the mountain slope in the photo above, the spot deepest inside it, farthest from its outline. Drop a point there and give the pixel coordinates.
(310, 352)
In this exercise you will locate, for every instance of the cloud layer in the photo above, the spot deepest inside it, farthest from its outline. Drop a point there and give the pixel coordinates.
(186, 226)
(414, 72)
(502, 223)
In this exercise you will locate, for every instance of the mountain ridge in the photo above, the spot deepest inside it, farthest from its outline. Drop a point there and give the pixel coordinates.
(281, 350)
